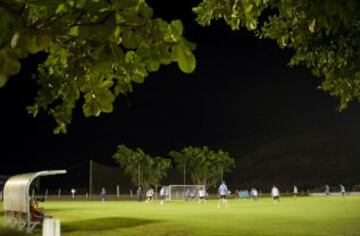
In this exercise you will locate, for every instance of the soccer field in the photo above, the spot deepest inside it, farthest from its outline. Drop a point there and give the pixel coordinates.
(305, 216)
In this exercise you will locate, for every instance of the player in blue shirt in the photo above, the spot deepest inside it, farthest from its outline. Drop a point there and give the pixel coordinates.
(223, 192)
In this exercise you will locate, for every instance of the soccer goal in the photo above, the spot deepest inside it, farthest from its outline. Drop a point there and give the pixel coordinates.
(184, 192)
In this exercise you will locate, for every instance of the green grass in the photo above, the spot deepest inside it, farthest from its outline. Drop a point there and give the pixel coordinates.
(305, 216)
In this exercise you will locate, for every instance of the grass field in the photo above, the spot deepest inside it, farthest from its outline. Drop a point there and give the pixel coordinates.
(305, 216)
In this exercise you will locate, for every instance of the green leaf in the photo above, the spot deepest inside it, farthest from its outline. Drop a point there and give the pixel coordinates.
(74, 31)
(117, 32)
(139, 74)
(43, 41)
(130, 57)
(184, 57)
(14, 40)
(251, 24)
(105, 99)
(61, 9)
(116, 52)
(131, 39)
(80, 3)
(312, 26)
(107, 84)
(153, 65)
(178, 26)
(248, 6)
(60, 129)
(31, 45)
(3, 80)
(13, 67)
(144, 10)
(91, 107)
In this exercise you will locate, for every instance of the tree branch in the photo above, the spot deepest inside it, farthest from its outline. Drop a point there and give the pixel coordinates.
(78, 19)
(101, 22)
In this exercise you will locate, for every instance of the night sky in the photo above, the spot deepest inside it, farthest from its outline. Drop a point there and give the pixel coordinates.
(242, 91)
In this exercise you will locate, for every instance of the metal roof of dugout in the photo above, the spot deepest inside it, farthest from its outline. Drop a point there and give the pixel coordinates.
(17, 199)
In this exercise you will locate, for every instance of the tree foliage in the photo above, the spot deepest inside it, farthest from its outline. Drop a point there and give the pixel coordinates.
(96, 50)
(324, 34)
(204, 165)
(141, 167)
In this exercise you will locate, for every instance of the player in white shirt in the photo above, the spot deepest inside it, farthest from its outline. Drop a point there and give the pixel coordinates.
(202, 195)
(275, 194)
(254, 194)
(342, 190)
(162, 195)
(295, 191)
(150, 195)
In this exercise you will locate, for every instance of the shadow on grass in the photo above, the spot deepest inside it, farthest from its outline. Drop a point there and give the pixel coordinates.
(51, 209)
(11, 232)
(104, 224)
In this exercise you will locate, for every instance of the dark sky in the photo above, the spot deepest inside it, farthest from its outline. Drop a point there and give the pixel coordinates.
(241, 89)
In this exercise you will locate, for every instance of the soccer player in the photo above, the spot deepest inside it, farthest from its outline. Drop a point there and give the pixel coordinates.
(192, 194)
(327, 190)
(254, 194)
(150, 194)
(73, 191)
(342, 190)
(275, 194)
(295, 191)
(139, 193)
(103, 194)
(162, 195)
(223, 191)
(202, 195)
(187, 194)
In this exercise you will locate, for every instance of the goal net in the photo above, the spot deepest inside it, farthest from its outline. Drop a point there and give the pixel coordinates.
(183, 192)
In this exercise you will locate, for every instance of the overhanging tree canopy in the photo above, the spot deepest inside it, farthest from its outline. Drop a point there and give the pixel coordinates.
(96, 49)
(324, 34)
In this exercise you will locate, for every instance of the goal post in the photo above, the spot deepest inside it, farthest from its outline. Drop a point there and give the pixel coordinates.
(184, 192)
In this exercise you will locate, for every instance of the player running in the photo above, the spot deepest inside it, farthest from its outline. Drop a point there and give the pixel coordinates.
(150, 195)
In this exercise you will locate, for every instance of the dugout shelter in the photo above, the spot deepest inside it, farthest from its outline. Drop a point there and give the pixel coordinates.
(16, 200)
